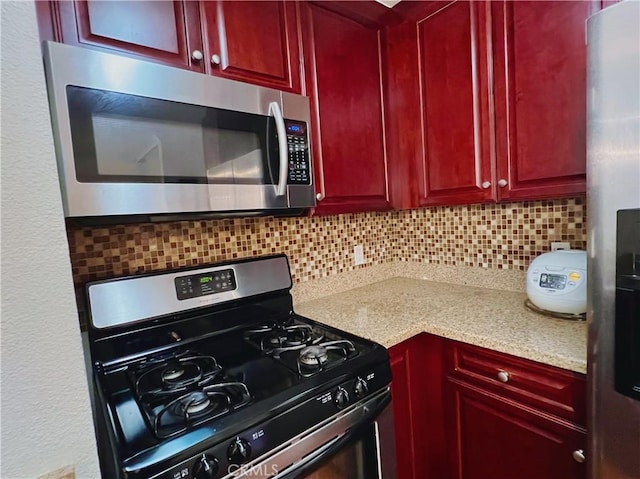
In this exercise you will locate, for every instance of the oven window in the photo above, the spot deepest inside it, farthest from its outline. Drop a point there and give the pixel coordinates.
(358, 460)
(125, 138)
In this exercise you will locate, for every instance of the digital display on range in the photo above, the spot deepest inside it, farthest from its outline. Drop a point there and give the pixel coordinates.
(553, 281)
(203, 284)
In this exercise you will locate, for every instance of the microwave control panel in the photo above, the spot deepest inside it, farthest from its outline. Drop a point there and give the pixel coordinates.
(298, 145)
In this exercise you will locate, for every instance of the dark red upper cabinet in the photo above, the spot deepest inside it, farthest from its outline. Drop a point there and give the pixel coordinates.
(539, 57)
(167, 32)
(256, 42)
(456, 166)
(438, 106)
(486, 102)
(343, 79)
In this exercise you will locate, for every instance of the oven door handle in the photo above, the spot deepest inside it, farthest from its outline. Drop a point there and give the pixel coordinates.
(329, 449)
(274, 109)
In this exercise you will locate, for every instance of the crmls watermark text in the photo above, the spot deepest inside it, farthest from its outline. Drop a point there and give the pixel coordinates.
(256, 470)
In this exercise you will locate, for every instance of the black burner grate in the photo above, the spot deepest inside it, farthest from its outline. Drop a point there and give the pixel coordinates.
(184, 390)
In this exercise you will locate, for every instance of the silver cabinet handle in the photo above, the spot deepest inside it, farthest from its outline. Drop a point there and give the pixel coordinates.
(281, 187)
(485, 185)
(196, 55)
(215, 59)
(578, 456)
(503, 376)
(320, 196)
(502, 183)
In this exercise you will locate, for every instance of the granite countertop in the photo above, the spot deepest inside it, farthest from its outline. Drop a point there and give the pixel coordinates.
(393, 310)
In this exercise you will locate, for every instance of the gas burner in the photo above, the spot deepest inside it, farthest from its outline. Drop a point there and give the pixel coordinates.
(283, 335)
(196, 407)
(171, 373)
(313, 356)
(193, 403)
(316, 357)
(174, 376)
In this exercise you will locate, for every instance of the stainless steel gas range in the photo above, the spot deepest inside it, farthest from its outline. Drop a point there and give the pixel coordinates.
(208, 373)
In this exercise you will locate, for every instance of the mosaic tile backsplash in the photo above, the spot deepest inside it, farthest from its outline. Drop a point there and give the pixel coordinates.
(506, 235)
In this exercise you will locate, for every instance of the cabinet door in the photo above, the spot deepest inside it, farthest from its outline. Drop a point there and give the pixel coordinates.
(540, 97)
(167, 32)
(399, 357)
(499, 439)
(256, 42)
(454, 97)
(439, 97)
(342, 61)
(417, 370)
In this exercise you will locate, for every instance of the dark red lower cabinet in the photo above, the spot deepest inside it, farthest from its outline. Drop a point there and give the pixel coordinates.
(417, 366)
(495, 438)
(463, 412)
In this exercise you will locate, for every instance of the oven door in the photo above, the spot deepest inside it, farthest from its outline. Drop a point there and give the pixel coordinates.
(357, 444)
(368, 454)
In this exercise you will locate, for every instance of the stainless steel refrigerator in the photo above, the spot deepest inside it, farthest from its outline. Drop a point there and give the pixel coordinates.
(613, 202)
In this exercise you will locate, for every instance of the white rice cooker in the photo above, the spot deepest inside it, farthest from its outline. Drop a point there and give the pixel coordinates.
(557, 281)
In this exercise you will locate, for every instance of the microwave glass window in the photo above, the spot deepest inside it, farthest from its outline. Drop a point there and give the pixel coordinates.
(147, 147)
(553, 281)
(233, 154)
(127, 138)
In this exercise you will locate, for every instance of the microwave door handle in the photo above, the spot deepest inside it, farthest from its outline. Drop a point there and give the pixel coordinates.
(281, 187)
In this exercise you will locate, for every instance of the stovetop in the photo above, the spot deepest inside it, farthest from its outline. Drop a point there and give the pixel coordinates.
(217, 385)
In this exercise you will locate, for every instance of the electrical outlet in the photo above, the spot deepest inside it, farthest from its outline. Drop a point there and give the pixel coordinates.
(358, 254)
(560, 245)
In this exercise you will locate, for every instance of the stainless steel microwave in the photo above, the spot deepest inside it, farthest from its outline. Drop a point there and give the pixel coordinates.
(139, 138)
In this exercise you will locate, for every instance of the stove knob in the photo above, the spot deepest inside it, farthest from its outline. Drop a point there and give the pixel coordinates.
(239, 451)
(206, 467)
(342, 398)
(361, 388)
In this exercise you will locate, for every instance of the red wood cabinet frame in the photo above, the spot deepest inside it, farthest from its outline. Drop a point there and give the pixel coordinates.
(343, 79)
(510, 417)
(439, 131)
(491, 437)
(257, 42)
(167, 33)
(417, 367)
(540, 59)
(455, 418)
(486, 102)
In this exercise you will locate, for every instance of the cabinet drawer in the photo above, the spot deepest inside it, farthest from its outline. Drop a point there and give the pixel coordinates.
(550, 389)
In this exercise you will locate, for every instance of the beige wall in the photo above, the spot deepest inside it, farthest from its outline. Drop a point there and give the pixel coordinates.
(46, 415)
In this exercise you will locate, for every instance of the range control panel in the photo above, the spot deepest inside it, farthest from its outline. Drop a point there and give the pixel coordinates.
(298, 145)
(202, 284)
